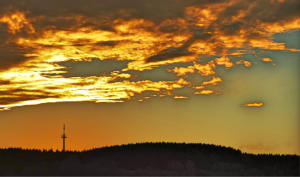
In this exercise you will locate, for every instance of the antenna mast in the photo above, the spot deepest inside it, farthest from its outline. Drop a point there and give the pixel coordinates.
(63, 136)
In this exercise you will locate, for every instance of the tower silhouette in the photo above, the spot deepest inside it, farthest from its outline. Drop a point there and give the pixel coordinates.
(63, 136)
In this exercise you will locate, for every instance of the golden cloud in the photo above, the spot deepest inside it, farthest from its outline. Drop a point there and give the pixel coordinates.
(202, 69)
(224, 61)
(244, 62)
(180, 97)
(204, 92)
(16, 21)
(213, 81)
(266, 59)
(254, 104)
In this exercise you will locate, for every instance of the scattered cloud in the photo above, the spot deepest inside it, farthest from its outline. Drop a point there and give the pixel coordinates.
(244, 62)
(213, 81)
(180, 97)
(204, 92)
(202, 69)
(224, 61)
(266, 59)
(254, 104)
(269, 60)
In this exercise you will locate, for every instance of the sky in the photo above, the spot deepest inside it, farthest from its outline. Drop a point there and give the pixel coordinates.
(220, 72)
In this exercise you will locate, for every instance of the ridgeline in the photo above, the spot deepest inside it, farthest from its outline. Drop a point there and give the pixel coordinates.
(147, 159)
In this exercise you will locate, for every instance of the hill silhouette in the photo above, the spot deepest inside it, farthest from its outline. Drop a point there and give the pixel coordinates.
(147, 159)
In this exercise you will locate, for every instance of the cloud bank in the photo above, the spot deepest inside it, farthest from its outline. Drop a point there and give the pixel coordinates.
(37, 36)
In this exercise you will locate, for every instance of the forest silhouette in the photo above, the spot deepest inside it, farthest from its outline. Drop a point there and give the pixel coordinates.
(161, 158)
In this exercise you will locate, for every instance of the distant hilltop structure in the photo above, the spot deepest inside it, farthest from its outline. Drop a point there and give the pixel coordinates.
(63, 136)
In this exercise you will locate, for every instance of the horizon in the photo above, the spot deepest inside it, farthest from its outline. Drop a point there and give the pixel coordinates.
(217, 72)
(139, 143)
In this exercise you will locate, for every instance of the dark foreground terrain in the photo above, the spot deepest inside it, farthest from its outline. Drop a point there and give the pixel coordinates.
(147, 159)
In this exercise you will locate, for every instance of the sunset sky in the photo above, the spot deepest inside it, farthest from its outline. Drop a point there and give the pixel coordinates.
(221, 72)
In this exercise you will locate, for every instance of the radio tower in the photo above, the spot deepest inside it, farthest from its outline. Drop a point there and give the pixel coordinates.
(63, 136)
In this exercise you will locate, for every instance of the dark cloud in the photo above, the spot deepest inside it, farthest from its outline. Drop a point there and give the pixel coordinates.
(100, 14)
(155, 9)
(168, 54)
(266, 11)
(11, 55)
(4, 82)
(11, 100)
(95, 67)
(107, 43)
(276, 13)
(62, 15)
(59, 13)
(17, 95)
(172, 52)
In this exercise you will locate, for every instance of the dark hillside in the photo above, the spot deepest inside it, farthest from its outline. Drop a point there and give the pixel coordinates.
(147, 159)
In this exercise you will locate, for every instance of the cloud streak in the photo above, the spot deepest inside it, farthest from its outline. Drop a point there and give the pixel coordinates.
(254, 104)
